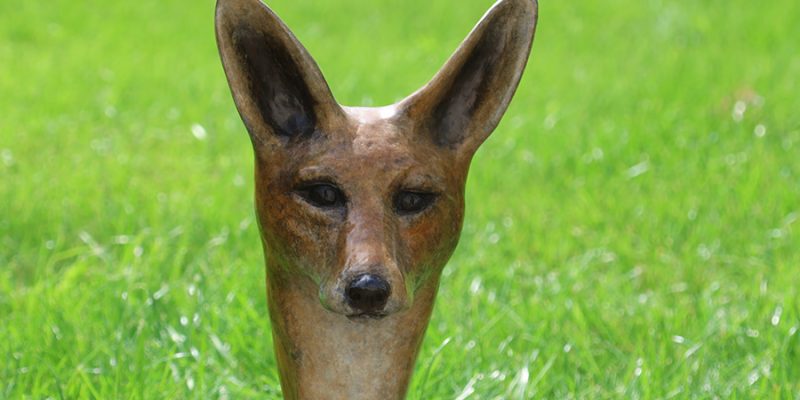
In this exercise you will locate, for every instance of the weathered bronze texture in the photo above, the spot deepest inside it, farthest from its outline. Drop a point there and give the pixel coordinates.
(360, 208)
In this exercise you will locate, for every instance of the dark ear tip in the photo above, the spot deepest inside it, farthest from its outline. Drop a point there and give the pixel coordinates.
(223, 11)
(224, 7)
(531, 5)
(230, 15)
(520, 8)
(239, 9)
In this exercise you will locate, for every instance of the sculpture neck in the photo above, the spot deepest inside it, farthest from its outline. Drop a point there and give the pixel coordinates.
(323, 355)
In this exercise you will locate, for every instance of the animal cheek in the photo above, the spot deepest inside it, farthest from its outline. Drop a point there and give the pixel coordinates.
(294, 239)
(430, 243)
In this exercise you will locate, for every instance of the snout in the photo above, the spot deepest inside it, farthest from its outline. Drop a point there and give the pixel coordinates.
(367, 294)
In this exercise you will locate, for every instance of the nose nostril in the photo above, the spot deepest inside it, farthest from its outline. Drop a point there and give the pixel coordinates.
(368, 293)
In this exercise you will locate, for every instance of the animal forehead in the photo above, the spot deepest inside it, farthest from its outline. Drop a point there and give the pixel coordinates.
(381, 140)
(377, 141)
(377, 127)
(370, 154)
(375, 157)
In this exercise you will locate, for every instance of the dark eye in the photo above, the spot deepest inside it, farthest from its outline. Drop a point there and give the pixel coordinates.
(407, 202)
(322, 195)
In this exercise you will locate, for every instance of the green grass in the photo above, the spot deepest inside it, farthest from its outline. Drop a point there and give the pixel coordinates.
(628, 233)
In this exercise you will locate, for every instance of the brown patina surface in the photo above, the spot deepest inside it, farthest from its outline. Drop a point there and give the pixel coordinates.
(360, 208)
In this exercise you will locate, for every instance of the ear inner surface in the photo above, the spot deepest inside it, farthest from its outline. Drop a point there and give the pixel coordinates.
(466, 99)
(469, 87)
(276, 86)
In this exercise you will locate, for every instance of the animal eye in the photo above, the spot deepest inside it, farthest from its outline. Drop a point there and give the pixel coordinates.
(408, 202)
(323, 195)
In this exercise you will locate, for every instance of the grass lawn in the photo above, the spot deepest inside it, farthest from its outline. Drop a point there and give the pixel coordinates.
(632, 227)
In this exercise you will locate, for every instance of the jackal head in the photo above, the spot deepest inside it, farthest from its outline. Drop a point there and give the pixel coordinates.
(362, 207)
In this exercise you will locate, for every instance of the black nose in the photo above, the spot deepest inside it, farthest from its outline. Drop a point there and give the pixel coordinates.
(367, 293)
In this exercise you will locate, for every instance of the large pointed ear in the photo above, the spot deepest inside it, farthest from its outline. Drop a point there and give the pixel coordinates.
(464, 102)
(277, 87)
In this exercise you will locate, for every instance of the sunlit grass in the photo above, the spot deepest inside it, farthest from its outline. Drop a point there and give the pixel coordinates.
(631, 231)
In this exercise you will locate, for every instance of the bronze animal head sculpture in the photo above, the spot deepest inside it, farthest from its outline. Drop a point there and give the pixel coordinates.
(360, 208)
